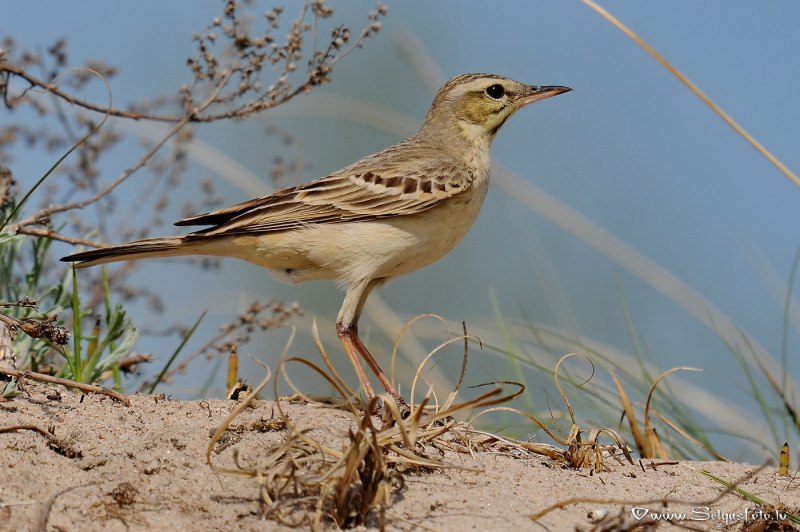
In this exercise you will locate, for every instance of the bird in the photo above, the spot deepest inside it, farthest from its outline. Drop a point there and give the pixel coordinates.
(385, 215)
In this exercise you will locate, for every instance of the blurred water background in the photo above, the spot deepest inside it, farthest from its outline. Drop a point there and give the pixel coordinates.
(630, 152)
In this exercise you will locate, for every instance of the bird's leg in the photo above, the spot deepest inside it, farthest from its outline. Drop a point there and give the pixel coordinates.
(350, 341)
(347, 329)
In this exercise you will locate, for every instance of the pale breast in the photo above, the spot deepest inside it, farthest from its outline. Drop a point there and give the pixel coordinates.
(429, 236)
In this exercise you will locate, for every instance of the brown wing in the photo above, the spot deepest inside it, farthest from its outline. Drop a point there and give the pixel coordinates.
(350, 195)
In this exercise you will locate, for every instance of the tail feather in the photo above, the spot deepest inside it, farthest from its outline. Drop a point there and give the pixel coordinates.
(142, 249)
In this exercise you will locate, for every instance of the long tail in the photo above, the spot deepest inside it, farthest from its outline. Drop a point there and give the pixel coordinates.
(141, 249)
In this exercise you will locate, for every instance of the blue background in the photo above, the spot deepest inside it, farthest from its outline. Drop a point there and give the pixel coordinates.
(631, 150)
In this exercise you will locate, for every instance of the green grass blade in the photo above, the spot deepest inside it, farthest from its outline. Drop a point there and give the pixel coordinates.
(74, 147)
(744, 493)
(74, 361)
(47, 174)
(175, 354)
(787, 311)
(212, 375)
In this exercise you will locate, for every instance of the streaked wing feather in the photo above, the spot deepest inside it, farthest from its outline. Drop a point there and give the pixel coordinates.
(342, 197)
(228, 213)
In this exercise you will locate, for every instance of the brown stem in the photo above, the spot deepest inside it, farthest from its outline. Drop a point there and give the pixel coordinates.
(195, 117)
(52, 235)
(130, 171)
(55, 443)
(90, 388)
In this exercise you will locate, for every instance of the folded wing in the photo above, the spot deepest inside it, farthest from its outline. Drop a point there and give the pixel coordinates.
(343, 197)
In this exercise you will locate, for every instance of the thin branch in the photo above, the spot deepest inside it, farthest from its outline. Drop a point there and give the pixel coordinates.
(696, 90)
(89, 388)
(58, 445)
(52, 235)
(255, 106)
(130, 171)
(53, 89)
(38, 328)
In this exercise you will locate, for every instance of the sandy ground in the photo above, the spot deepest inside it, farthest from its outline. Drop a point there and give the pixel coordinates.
(143, 467)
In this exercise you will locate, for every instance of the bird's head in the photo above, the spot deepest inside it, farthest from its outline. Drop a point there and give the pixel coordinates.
(479, 104)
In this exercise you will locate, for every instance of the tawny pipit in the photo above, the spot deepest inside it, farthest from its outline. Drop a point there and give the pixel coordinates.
(388, 214)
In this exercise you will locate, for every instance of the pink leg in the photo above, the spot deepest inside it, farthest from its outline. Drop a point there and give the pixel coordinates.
(347, 329)
(353, 344)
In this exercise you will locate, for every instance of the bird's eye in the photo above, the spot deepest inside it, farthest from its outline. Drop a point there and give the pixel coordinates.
(495, 91)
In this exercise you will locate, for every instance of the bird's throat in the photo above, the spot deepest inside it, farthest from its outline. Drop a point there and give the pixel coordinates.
(477, 143)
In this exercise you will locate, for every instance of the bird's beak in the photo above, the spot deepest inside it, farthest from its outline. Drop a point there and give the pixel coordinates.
(537, 93)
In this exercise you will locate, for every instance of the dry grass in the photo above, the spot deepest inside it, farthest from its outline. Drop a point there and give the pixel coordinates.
(317, 478)
(305, 481)
(648, 442)
(584, 449)
(760, 148)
